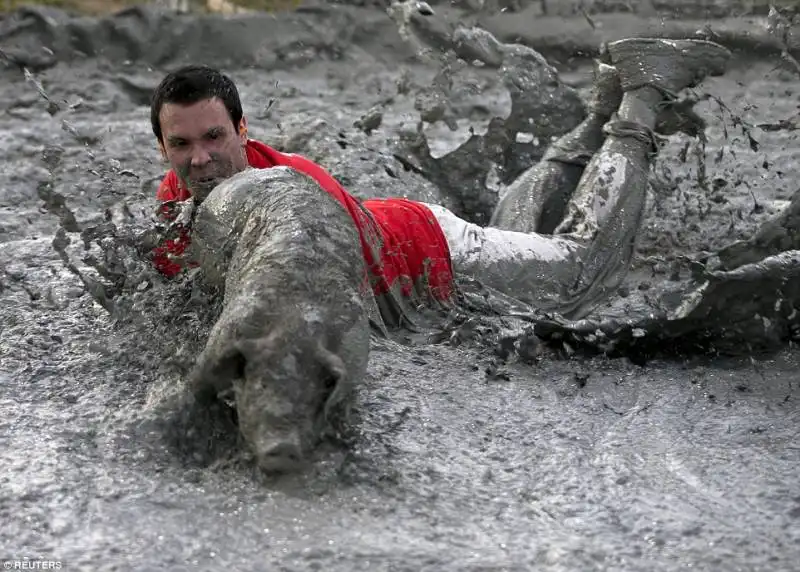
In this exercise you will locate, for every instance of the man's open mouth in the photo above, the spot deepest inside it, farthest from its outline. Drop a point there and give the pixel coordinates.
(201, 188)
(206, 184)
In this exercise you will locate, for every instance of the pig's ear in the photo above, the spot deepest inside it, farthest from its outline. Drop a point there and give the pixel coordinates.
(213, 376)
(331, 363)
(334, 375)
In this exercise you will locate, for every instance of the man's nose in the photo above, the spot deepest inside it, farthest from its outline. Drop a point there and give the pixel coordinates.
(200, 157)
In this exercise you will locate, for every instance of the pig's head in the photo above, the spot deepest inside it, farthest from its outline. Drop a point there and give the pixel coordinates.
(288, 398)
(291, 386)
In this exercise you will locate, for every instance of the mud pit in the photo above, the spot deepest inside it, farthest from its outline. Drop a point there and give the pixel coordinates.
(569, 464)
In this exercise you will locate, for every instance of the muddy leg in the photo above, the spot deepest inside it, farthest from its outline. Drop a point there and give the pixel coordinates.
(525, 265)
(536, 201)
(572, 273)
(609, 203)
(542, 270)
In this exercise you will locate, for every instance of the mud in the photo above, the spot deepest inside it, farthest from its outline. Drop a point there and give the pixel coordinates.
(462, 455)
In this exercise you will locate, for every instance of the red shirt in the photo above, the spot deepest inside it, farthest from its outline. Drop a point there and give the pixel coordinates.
(403, 244)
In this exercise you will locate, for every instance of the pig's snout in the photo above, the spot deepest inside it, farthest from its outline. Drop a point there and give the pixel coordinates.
(280, 455)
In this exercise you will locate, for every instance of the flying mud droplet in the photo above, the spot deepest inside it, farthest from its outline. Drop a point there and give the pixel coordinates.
(370, 121)
(86, 139)
(52, 156)
(52, 107)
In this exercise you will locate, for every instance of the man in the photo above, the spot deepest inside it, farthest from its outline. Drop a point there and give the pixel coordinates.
(198, 121)
(413, 249)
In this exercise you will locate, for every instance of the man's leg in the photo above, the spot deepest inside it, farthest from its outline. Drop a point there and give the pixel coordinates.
(582, 267)
(537, 200)
(514, 254)
(609, 202)
(529, 266)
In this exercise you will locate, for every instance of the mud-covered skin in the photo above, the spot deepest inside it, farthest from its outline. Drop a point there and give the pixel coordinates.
(293, 336)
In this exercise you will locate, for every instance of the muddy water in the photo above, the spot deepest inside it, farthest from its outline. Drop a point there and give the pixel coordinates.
(566, 465)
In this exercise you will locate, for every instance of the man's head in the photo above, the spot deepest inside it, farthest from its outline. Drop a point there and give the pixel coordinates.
(197, 119)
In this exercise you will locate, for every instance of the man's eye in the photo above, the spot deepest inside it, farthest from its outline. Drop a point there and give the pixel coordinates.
(176, 144)
(214, 135)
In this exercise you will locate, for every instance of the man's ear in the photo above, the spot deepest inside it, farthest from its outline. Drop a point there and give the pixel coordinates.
(243, 130)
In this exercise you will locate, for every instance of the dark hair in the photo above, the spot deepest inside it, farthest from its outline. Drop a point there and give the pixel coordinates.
(191, 84)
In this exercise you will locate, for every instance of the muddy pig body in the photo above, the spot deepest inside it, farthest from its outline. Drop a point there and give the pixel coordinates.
(293, 336)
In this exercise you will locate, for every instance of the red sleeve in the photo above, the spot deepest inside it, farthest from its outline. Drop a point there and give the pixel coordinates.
(163, 255)
(171, 189)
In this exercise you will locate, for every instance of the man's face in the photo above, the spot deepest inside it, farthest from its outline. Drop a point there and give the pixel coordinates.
(201, 144)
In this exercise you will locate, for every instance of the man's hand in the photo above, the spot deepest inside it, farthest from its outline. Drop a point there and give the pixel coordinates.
(169, 256)
(178, 213)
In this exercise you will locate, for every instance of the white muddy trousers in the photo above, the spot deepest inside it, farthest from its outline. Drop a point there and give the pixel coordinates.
(532, 267)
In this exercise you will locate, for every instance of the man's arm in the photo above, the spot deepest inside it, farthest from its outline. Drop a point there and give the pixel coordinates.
(164, 257)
